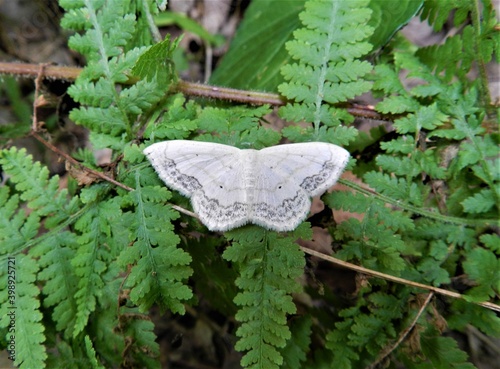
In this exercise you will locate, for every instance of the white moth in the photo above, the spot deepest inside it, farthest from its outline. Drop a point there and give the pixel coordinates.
(230, 187)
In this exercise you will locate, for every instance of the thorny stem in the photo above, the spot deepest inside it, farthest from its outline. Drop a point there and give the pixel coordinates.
(188, 88)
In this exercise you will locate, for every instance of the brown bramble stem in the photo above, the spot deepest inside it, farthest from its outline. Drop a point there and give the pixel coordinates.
(188, 88)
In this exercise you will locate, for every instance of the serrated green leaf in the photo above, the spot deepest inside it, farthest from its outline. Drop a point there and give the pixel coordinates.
(269, 265)
(443, 353)
(294, 353)
(21, 312)
(481, 202)
(433, 273)
(492, 241)
(156, 63)
(428, 117)
(483, 267)
(326, 71)
(397, 105)
(160, 267)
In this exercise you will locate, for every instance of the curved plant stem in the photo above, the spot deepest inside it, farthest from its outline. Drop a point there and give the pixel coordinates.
(417, 210)
(224, 93)
(391, 278)
(76, 163)
(386, 352)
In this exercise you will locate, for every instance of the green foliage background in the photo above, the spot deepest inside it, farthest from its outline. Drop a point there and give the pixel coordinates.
(431, 217)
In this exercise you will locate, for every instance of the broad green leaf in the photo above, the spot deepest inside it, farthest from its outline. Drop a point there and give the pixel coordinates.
(257, 52)
(389, 17)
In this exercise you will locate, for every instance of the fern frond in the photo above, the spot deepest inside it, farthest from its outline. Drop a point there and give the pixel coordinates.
(16, 227)
(295, 351)
(428, 117)
(178, 121)
(476, 44)
(398, 188)
(452, 234)
(439, 167)
(94, 117)
(156, 63)
(47, 201)
(161, 267)
(110, 112)
(108, 324)
(62, 357)
(94, 364)
(432, 272)
(139, 97)
(238, 126)
(483, 267)
(76, 16)
(460, 109)
(399, 166)
(373, 330)
(401, 145)
(61, 282)
(41, 193)
(453, 58)
(342, 353)
(491, 241)
(20, 311)
(352, 339)
(269, 264)
(438, 12)
(463, 312)
(481, 202)
(123, 335)
(94, 94)
(146, 350)
(375, 240)
(326, 72)
(439, 352)
(108, 28)
(90, 259)
(387, 80)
